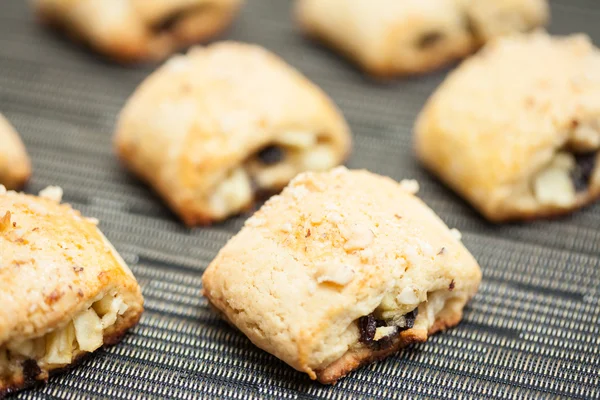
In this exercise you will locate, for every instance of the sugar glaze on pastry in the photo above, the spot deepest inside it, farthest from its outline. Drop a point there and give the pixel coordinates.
(341, 269)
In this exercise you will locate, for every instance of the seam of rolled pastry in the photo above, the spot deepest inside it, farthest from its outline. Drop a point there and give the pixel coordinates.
(520, 147)
(224, 124)
(137, 30)
(333, 249)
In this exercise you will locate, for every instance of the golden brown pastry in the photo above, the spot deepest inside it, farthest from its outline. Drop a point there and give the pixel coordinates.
(342, 269)
(64, 290)
(390, 37)
(137, 30)
(15, 167)
(516, 129)
(211, 129)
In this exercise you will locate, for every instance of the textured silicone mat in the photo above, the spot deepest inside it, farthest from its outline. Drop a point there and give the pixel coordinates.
(532, 331)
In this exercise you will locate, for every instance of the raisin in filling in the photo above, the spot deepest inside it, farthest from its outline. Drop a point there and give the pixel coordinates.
(584, 169)
(429, 39)
(31, 371)
(271, 155)
(368, 327)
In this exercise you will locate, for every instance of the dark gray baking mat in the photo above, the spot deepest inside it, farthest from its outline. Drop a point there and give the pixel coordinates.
(531, 331)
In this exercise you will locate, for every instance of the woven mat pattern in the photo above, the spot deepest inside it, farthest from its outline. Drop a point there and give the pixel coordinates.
(532, 331)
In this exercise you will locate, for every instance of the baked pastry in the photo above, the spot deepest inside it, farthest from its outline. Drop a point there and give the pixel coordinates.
(489, 19)
(64, 290)
(389, 37)
(15, 167)
(210, 129)
(341, 269)
(516, 129)
(139, 30)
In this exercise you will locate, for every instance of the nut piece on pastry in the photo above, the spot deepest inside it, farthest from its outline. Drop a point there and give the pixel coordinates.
(64, 289)
(390, 38)
(342, 269)
(210, 129)
(15, 167)
(516, 129)
(139, 30)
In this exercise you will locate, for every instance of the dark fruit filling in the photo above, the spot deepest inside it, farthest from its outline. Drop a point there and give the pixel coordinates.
(168, 23)
(410, 318)
(369, 324)
(584, 169)
(31, 371)
(271, 155)
(429, 39)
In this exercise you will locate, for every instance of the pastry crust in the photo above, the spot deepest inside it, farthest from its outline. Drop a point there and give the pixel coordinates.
(392, 38)
(516, 129)
(333, 249)
(15, 167)
(197, 128)
(139, 30)
(64, 289)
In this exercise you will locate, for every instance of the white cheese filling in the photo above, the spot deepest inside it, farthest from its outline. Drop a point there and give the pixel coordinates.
(233, 194)
(394, 308)
(85, 333)
(303, 152)
(553, 185)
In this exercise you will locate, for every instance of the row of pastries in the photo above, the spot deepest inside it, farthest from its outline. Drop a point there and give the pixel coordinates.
(342, 267)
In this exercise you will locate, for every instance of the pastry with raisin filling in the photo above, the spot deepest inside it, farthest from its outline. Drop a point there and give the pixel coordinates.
(515, 130)
(342, 269)
(211, 129)
(64, 290)
(390, 37)
(139, 30)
